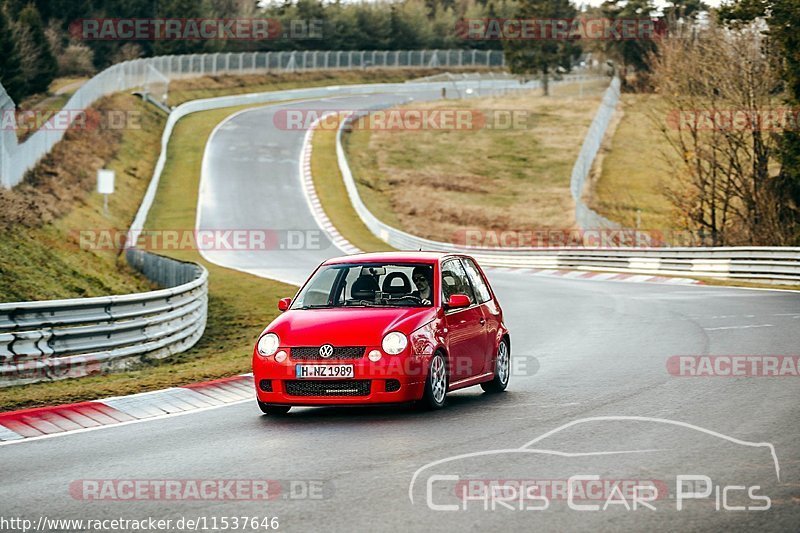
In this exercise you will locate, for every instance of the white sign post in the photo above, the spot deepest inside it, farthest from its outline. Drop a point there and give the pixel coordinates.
(105, 186)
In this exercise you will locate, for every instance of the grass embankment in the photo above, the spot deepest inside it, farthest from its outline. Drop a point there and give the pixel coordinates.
(634, 168)
(333, 194)
(437, 182)
(41, 219)
(46, 103)
(38, 259)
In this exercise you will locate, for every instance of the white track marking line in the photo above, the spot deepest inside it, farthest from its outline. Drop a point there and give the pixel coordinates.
(746, 326)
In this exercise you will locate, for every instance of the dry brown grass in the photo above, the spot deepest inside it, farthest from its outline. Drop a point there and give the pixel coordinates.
(66, 175)
(437, 183)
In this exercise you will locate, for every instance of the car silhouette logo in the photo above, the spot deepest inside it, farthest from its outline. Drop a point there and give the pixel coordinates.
(325, 351)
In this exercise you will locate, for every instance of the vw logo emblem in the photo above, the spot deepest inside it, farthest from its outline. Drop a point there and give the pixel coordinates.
(325, 351)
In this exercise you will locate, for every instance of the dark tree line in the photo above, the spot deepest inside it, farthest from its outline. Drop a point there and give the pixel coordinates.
(36, 44)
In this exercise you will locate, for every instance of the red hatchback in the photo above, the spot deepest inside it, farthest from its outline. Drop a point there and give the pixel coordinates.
(384, 328)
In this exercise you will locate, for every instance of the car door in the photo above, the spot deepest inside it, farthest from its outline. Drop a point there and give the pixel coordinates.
(489, 307)
(465, 327)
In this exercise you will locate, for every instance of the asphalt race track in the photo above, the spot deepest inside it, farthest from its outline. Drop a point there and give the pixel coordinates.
(590, 352)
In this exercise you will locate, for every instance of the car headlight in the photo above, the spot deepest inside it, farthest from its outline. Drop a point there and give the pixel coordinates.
(268, 344)
(394, 343)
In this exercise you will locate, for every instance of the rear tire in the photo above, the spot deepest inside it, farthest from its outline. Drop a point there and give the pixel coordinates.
(435, 395)
(274, 410)
(502, 370)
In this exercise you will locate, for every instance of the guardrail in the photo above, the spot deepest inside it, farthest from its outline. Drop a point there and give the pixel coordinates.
(16, 159)
(58, 339)
(773, 264)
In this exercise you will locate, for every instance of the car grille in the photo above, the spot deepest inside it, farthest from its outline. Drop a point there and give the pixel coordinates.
(311, 353)
(356, 387)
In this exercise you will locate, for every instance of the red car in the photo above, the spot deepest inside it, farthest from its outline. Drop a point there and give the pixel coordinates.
(384, 328)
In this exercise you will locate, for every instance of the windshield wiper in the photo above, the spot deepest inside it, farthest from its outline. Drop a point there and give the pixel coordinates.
(361, 303)
(323, 306)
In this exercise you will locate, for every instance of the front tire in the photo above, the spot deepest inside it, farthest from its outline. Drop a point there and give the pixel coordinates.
(502, 370)
(275, 410)
(435, 394)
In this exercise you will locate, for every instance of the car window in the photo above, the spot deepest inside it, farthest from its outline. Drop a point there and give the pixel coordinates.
(320, 288)
(454, 281)
(366, 285)
(395, 281)
(482, 290)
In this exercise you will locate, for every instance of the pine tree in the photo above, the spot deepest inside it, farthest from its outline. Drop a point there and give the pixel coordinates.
(546, 53)
(10, 68)
(38, 63)
(180, 9)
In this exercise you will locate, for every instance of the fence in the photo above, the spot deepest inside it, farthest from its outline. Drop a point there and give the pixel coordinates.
(16, 159)
(57, 339)
(8, 135)
(753, 263)
(585, 217)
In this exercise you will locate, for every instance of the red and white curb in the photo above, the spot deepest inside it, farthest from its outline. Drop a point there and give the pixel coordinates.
(598, 276)
(45, 421)
(310, 192)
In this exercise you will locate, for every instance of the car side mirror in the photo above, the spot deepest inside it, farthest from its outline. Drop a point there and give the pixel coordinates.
(457, 301)
(284, 303)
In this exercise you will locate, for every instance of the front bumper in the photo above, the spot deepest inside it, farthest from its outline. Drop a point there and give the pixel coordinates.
(392, 379)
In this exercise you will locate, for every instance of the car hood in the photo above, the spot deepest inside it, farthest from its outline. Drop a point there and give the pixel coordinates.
(347, 326)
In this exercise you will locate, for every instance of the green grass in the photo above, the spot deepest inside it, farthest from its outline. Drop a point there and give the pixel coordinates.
(437, 183)
(40, 261)
(333, 194)
(635, 169)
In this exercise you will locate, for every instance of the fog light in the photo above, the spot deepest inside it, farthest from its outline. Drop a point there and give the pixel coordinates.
(374, 356)
(280, 356)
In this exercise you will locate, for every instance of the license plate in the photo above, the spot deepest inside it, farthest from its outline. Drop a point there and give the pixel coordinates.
(324, 371)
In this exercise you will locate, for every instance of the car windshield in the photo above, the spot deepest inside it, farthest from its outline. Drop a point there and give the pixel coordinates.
(368, 285)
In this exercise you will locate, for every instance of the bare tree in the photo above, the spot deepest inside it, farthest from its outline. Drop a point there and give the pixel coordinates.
(721, 92)
(127, 52)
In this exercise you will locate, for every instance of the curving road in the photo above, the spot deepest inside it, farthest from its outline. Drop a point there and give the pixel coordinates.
(592, 349)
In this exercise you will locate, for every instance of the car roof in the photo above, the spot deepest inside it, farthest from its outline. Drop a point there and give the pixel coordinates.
(391, 257)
